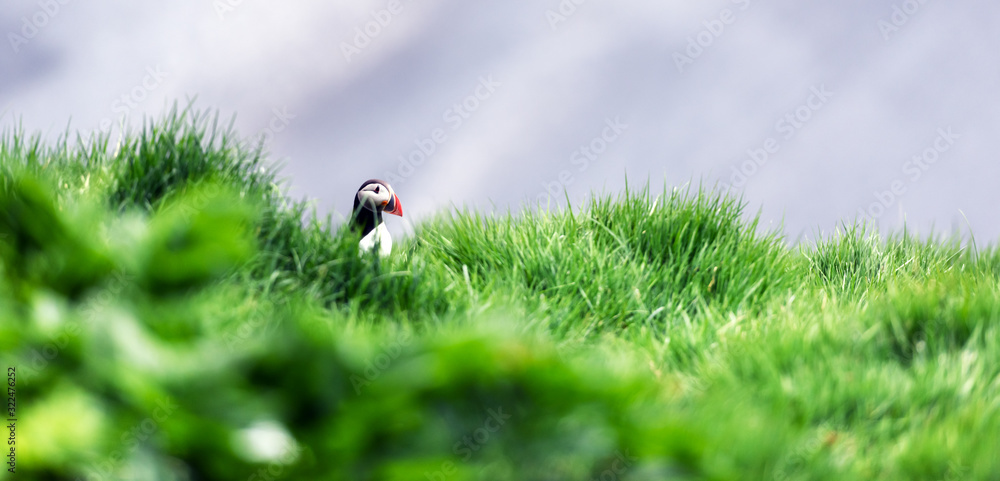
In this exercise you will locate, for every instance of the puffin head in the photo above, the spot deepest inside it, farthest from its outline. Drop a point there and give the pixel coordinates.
(377, 196)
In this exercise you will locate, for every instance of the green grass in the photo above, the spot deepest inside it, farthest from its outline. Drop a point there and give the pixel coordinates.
(160, 298)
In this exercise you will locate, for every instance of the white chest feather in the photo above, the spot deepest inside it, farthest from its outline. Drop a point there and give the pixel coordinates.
(379, 235)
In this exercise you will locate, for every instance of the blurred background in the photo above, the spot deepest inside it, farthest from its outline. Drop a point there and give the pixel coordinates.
(817, 112)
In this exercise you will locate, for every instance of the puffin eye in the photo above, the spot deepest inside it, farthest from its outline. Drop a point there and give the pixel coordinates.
(376, 189)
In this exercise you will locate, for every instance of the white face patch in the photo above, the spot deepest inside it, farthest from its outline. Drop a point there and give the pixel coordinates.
(374, 196)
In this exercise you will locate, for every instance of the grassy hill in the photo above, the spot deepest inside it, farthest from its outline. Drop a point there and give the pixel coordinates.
(168, 314)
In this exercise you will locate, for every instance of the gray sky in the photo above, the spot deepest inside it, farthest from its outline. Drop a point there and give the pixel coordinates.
(815, 111)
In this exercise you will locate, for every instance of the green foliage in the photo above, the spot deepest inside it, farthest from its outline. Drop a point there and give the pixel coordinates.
(619, 263)
(938, 316)
(170, 315)
(42, 246)
(855, 260)
(197, 238)
(185, 148)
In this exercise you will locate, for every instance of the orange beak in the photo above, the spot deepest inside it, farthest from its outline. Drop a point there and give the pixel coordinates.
(397, 207)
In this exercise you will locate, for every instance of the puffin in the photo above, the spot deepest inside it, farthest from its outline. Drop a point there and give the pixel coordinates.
(373, 198)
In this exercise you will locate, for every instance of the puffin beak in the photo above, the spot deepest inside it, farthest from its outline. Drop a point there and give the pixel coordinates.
(398, 207)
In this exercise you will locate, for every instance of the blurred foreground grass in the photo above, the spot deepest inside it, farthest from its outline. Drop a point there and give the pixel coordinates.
(169, 315)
